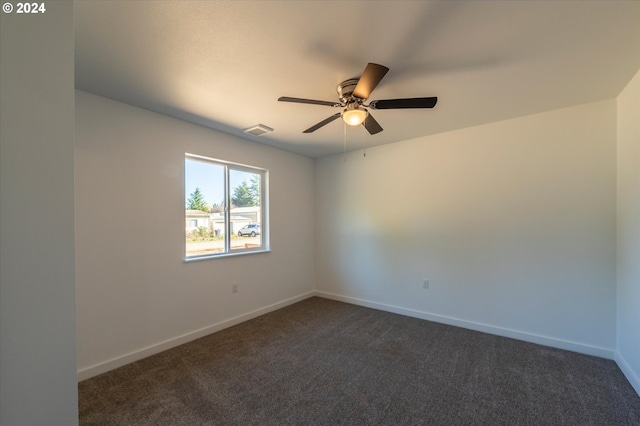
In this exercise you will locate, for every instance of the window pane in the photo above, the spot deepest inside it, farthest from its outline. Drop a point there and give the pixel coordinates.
(204, 208)
(245, 213)
(224, 208)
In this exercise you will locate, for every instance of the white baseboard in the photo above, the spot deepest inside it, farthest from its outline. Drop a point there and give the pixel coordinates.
(103, 367)
(499, 331)
(628, 372)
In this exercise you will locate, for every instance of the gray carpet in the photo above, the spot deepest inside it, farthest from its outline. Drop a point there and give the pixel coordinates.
(321, 362)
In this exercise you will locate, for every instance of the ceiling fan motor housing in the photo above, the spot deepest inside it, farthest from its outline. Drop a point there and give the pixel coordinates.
(345, 90)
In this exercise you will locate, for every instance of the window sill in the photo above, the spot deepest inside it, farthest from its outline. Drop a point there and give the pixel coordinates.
(224, 255)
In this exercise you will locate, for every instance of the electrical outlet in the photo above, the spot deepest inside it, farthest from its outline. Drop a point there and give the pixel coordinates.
(234, 288)
(425, 284)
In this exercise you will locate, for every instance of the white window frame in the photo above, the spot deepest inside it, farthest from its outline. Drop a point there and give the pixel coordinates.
(264, 210)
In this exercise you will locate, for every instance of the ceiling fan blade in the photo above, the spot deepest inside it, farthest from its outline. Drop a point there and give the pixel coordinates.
(370, 78)
(404, 103)
(371, 125)
(323, 123)
(308, 101)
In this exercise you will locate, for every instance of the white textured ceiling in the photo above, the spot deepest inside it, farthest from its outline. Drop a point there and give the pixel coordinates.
(223, 64)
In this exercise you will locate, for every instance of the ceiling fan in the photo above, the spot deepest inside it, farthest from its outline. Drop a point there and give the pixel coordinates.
(354, 92)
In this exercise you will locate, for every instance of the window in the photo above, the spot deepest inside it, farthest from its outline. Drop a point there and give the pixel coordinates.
(225, 208)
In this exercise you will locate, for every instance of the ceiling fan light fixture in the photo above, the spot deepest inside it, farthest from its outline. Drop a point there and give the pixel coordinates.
(354, 115)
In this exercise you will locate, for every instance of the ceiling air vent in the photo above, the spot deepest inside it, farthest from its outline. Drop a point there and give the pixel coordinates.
(258, 130)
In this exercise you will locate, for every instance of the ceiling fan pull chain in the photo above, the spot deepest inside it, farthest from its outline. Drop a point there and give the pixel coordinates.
(344, 155)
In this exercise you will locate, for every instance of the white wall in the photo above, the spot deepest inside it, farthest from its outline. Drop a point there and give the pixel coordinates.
(513, 223)
(628, 344)
(38, 383)
(135, 294)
